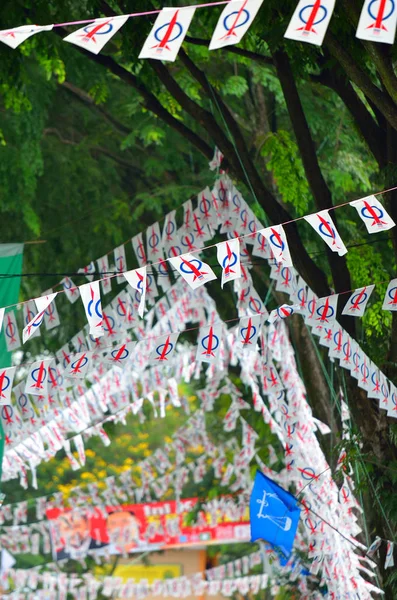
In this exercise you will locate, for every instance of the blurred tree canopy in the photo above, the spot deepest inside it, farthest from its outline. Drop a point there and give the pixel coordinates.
(96, 148)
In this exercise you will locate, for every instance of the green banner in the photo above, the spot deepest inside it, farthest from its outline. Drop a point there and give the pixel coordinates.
(11, 256)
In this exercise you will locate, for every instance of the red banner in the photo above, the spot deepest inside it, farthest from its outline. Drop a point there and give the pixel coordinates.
(139, 527)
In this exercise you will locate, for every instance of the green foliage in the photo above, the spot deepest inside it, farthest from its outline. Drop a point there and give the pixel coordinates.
(236, 85)
(283, 160)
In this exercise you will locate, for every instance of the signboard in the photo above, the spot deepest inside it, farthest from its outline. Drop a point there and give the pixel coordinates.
(139, 527)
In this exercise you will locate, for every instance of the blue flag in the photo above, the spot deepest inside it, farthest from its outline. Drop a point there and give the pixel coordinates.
(274, 514)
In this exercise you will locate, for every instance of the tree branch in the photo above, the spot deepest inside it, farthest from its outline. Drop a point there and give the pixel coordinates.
(382, 101)
(319, 188)
(365, 122)
(150, 101)
(242, 164)
(233, 49)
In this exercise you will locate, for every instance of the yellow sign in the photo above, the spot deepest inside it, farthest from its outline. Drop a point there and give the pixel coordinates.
(150, 572)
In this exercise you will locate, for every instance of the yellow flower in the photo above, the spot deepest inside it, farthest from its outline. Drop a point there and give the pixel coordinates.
(90, 453)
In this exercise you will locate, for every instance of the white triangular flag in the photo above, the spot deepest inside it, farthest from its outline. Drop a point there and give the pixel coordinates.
(371, 211)
(168, 33)
(93, 36)
(228, 255)
(91, 298)
(378, 21)
(357, 302)
(137, 280)
(309, 22)
(234, 22)
(14, 37)
(325, 227)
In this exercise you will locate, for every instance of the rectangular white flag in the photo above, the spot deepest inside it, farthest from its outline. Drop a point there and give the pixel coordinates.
(37, 379)
(71, 290)
(249, 330)
(139, 249)
(93, 36)
(120, 262)
(378, 21)
(41, 304)
(137, 280)
(163, 349)
(278, 244)
(194, 271)
(51, 316)
(357, 302)
(6, 380)
(390, 299)
(234, 22)
(168, 33)
(79, 365)
(154, 246)
(374, 216)
(310, 21)
(11, 332)
(91, 298)
(104, 271)
(228, 255)
(209, 343)
(325, 227)
(14, 37)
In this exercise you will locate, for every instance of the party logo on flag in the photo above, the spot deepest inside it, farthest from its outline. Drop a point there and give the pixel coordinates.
(138, 280)
(79, 365)
(163, 349)
(103, 268)
(249, 330)
(274, 514)
(94, 36)
(88, 271)
(209, 343)
(121, 353)
(283, 312)
(324, 225)
(378, 21)
(371, 211)
(228, 255)
(120, 262)
(357, 302)
(14, 37)
(37, 380)
(310, 21)
(153, 243)
(193, 270)
(139, 249)
(71, 291)
(11, 332)
(6, 380)
(167, 34)
(42, 305)
(277, 240)
(326, 309)
(234, 22)
(390, 299)
(91, 298)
